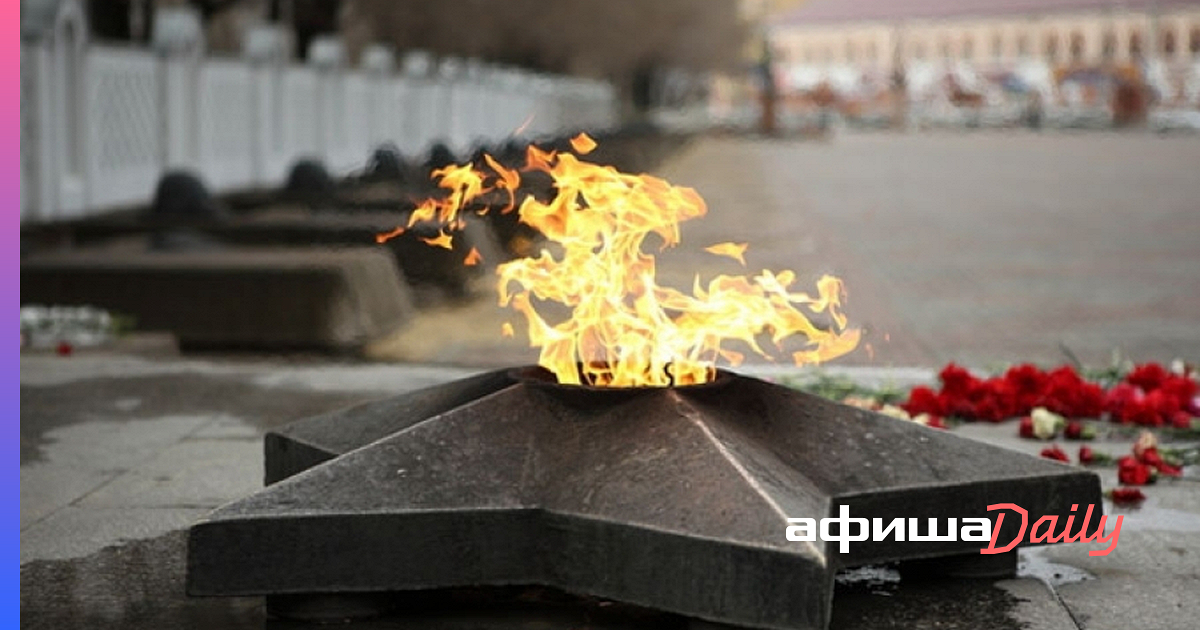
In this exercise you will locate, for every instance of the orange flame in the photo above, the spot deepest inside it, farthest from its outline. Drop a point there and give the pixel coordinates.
(473, 258)
(736, 251)
(624, 330)
(583, 144)
(442, 240)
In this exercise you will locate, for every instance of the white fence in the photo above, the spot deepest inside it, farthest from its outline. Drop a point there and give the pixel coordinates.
(100, 124)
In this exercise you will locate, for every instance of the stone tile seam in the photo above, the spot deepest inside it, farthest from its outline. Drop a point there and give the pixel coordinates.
(115, 476)
(1062, 602)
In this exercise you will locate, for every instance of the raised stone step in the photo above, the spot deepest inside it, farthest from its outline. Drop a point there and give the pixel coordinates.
(259, 299)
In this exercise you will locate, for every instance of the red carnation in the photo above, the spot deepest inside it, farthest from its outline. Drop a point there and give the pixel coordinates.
(1181, 420)
(1067, 394)
(1053, 452)
(1148, 456)
(1026, 383)
(1086, 454)
(1121, 396)
(1164, 468)
(1089, 401)
(989, 409)
(1126, 496)
(1025, 429)
(1025, 379)
(957, 406)
(64, 349)
(1132, 472)
(956, 380)
(922, 400)
(1004, 397)
(1148, 376)
(1139, 412)
(1163, 403)
(1180, 388)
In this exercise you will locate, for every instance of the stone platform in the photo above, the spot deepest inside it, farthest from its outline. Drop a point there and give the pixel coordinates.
(671, 499)
(256, 299)
(119, 456)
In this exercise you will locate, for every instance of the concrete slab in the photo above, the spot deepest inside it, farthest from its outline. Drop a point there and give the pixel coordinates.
(193, 473)
(334, 300)
(423, 266)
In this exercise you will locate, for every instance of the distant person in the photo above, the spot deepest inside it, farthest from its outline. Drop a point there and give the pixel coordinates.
(1033, 110)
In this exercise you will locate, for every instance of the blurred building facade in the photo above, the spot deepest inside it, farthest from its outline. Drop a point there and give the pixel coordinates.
(1064, 53)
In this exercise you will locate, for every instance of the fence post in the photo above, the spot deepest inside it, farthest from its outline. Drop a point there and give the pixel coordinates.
(59, 145)
(179, 40)
(495, 114)
(380, 62)
(266, 48)
(327, 55)
(452, 103)
(420, 104)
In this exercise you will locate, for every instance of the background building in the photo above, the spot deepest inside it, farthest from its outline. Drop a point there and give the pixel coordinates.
(1114, 54)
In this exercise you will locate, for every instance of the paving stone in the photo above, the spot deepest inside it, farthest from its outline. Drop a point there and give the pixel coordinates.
(75, 532)
(227, 428)
(1150, 580)
(1039, 608)
(86, 456)
(194, 473)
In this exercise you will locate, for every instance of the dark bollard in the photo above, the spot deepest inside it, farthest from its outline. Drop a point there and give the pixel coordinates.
(440, 156)
(181, 203)
(310, 183)
(387, 164)
(181, 196)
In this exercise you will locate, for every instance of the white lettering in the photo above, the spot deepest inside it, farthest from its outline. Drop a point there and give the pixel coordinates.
(915, 535)
(806, 525)
(844, 522)
(896, 525)
(981, 525)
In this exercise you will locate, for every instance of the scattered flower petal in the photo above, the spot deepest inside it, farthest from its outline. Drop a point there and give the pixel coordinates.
(1056, 453)
(1126, 496)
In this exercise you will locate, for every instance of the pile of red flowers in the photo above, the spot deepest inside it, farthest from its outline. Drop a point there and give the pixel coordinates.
(1145, 464)
(1149, 395)
(1152, 396)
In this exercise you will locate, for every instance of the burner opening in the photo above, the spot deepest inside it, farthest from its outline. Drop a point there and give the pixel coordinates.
(589, 399)
(539, 376)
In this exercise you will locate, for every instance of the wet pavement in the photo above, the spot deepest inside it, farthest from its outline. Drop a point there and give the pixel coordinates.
(124, 454)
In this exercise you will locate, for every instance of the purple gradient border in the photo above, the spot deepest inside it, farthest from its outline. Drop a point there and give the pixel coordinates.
(10, 285)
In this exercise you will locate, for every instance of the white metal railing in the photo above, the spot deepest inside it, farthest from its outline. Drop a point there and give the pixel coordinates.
(100, 123)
